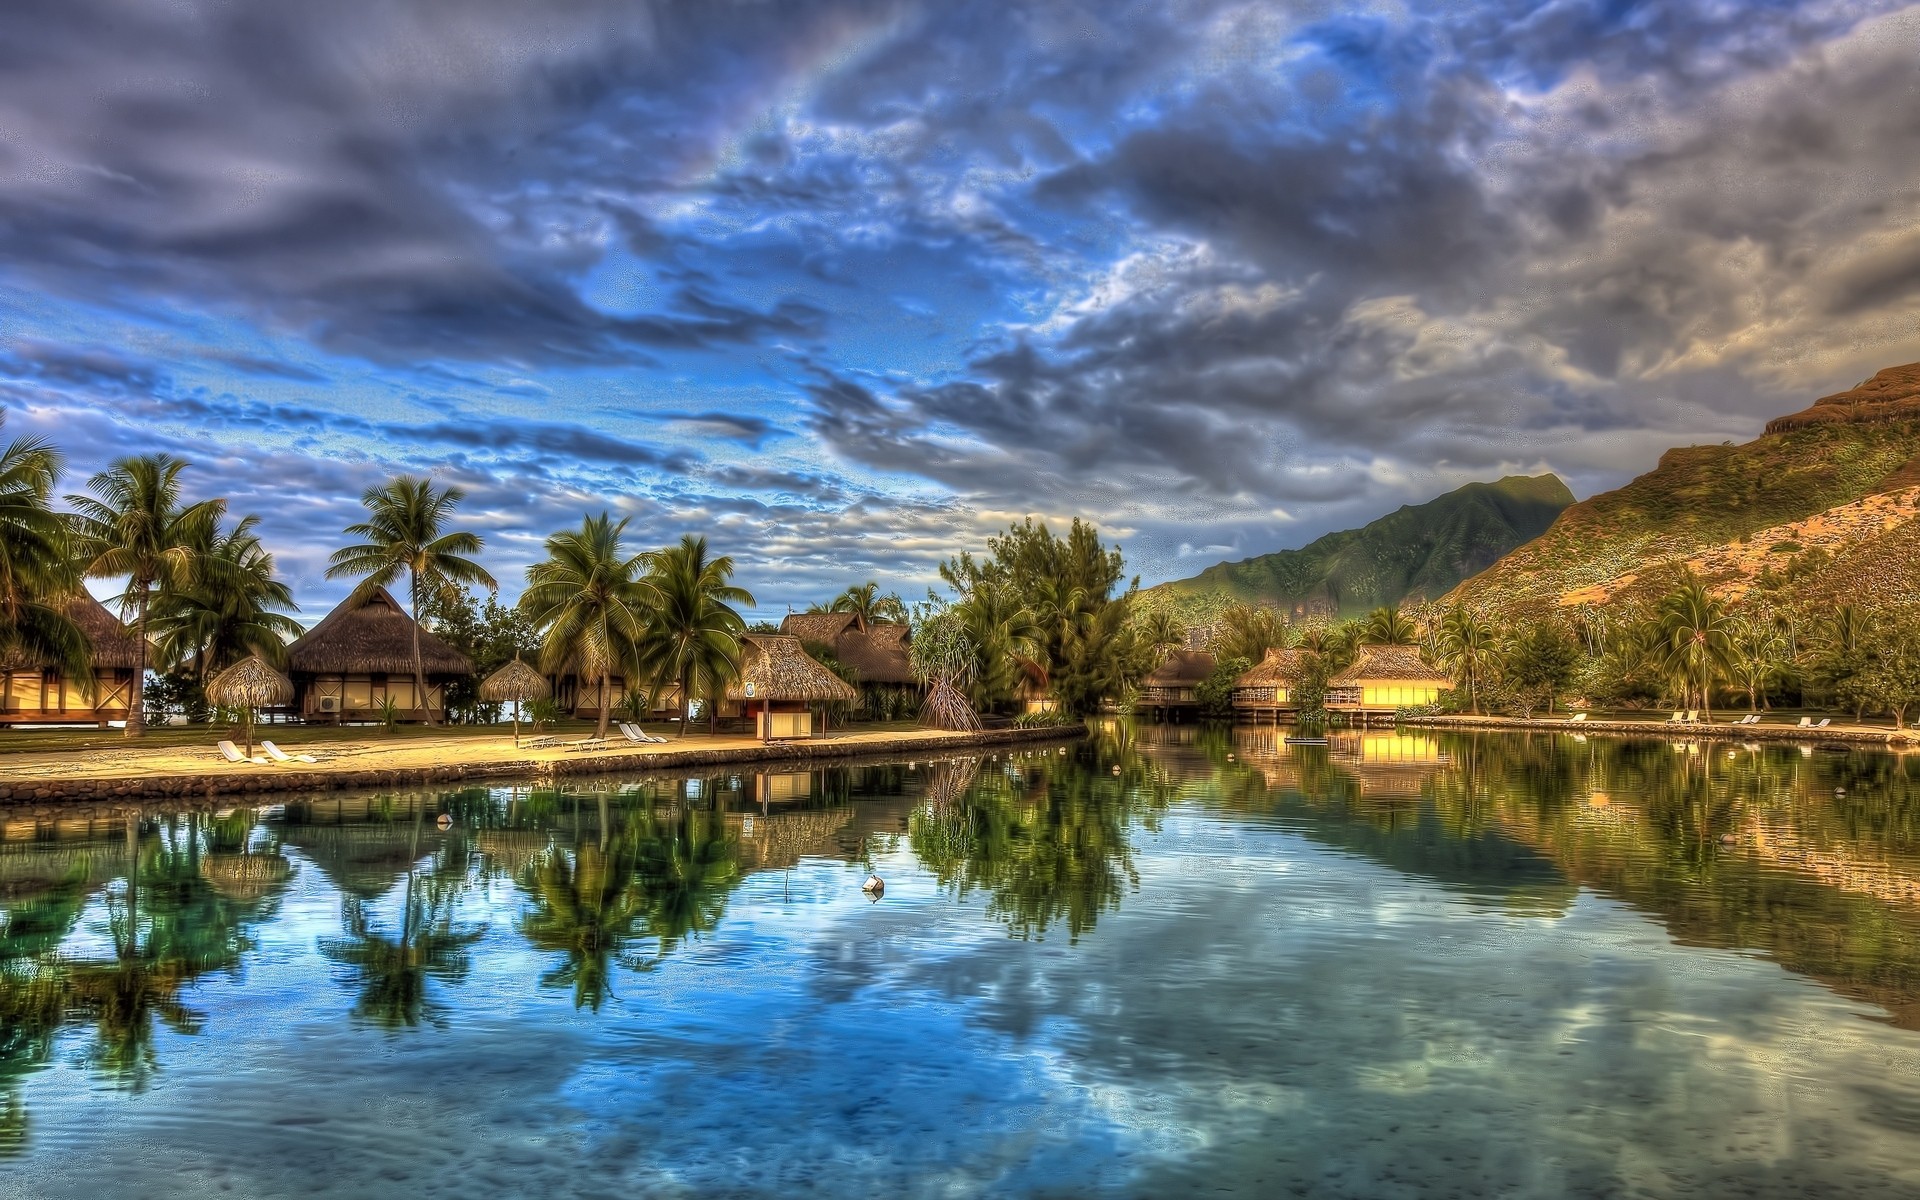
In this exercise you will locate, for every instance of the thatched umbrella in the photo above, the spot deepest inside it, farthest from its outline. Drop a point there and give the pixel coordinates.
(516, 682)
(249, 684)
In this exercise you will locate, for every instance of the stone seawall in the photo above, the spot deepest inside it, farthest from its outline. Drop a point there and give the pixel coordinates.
(267, 781)
(1719, 731)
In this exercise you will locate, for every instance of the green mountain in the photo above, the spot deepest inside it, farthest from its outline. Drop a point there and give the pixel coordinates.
(1416, 553)
(1818, 510)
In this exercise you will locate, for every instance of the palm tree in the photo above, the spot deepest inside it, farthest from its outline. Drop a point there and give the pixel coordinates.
(405, 531)
(1758, 657)
(1248, 631)
(234, 608)
(589, 602)
(1007, 642)
(867, 605)
(135, 527)
(693, 637)
(1468, 645)
(1696, 639)
(36, 565)
(1388, 626)
(586, 907)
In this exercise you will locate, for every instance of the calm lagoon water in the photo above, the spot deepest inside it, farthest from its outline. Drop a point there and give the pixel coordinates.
(1163, 962)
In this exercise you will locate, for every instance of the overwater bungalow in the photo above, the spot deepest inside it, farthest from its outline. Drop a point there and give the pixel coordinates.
(34, 693)
(778, 685)
(1172, 688)
(1266, 691)
(876, 651)
(1382, 680)
(360, 656)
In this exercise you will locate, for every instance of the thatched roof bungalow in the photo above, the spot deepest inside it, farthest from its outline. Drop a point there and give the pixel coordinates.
(1173, 686)
(779, 683)
(1383, 679)
(360, 655)
(876, 652)
(36, 693)
(1268, 689)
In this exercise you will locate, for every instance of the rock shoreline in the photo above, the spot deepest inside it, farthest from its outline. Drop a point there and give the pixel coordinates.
(264, 781)
(1850, 735)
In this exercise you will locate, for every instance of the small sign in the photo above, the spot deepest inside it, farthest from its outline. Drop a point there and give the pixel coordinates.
(748, 688)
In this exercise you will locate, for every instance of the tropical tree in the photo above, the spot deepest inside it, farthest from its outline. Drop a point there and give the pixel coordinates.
(1248, 631)
(693, 634)
(1841, 652)
(1470, 650)
(586, 908)
(135, 526)
(406, 534)
(1537, 666)
(1388, 626)
(1006, 640)
(36, 564)
(1696, 640)
(867, 605)
(233, 607)
(1757, 657)
(589, 603)
(1891, 680)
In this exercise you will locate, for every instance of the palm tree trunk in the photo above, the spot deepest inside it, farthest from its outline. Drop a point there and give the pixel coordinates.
(420, 663)
(686, 700)
(136, 706)
(602, 731)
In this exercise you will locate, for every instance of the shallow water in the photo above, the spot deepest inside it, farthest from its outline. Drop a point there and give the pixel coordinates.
(1396, 966)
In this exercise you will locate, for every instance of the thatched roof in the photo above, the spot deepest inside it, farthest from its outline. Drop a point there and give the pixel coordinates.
(877, 653)
(372, 637)
(780, 669)
(1279, 668)
(1183, 668)
(114, 645)
(1389, 662)
(250, 683)
(515, 681)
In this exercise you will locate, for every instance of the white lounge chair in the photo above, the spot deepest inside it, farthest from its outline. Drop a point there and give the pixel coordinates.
(1693, 716)
(543, 742)
(636, 734)
(1676, 718)
(1805, 723)
(1578, 717)
(232, 754)
(278, 755)
(589, 743)
(1823, 722)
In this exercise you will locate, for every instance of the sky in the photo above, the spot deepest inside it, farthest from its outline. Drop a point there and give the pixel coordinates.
(848, 286)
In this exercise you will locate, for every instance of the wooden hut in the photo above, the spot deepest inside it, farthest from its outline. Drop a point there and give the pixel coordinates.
(1381, 680)
(1267, 691)
(876, 652)
(578, 695)
(35, 693)
(1173, 687)
(361, 655)
(779, 684)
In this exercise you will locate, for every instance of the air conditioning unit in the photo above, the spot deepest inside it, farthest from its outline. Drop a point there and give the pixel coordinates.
(329, 704)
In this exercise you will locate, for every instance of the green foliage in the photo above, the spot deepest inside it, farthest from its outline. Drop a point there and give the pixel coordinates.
(865, 602)
(36, 564)
(1387, 626)
(1891, 679)
(1215, 692)
(1420, 550)
(233, 607)
(693, 635)
(490, 633)
(543, 713)
(589, 605)
(1248, 631)
(389, 710)
(1538, 667)
(176, 693)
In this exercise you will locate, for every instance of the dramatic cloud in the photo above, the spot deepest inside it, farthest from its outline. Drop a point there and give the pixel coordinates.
(847, 284)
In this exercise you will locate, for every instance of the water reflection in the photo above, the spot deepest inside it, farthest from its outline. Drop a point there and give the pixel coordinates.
(1148, 961)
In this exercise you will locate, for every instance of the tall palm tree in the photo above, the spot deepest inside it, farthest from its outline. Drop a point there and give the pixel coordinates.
(135, 527)
(1007, 641)
(1758, 657)
(693, 637)
(589, 602)
(406, 533)
(867, 605)
(1388, 626)
(235, 606)
(36, 564)
(1696, 639)
(1468, 645)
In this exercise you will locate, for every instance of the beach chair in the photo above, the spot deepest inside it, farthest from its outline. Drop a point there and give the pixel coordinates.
(1693, 716)
(1823, 722)
(278, 755)
(1676, 718)
(232, 754)
(1578, 717)
(639, 736)
(1805, 723)
(543, 742)
(589, 743)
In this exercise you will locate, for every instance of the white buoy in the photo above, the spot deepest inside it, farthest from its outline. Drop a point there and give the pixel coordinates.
(445, 821)
(874, 885)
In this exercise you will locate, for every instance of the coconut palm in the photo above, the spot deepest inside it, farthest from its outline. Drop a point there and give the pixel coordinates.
(589, 603)
(1007, 643)
(1388, 626)
(134, 526)
(234, 607)
(1248, 631)
(867, 605)
(586, 907)
(1758, 657)
(1696, 641)
(693, 636)
(1468, 646)
(406, 533)
(36, 567)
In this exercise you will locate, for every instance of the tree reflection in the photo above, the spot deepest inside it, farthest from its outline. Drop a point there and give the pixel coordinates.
(685, 866)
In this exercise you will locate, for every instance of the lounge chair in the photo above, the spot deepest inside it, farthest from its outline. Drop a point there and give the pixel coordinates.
(640, 736)
(543, 742)
(278, 755)
(1805, 723)
(232, 754)
(1753, 718)
(1693, 716)
(1823, 722)
(1577, 717)
(589, 743)
(1676, 718)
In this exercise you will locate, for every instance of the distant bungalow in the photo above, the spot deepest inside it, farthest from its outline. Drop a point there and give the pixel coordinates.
(361, 655)
(579, 696)
(876, 652)
(1383, 679)
(779, 684)
(33, 693)
(1267, 690)
(1173, 687)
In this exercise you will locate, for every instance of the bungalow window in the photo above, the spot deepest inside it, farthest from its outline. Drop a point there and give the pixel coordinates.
(359, 693)
(24, 691)
(400, 691)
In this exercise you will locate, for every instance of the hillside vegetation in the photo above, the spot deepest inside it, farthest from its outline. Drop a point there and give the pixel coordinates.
(1418, 552)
